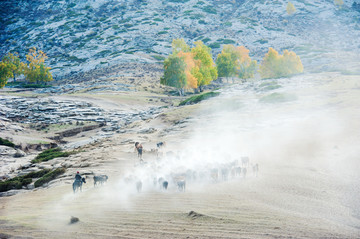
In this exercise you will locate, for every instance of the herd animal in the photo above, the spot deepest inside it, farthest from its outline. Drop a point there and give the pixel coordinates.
(100, 179)
(215, 174)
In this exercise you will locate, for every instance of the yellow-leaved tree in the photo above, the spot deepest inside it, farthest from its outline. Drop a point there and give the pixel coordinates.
(339, 2)
(205, 72)
(290, 8)
(188, 68)
(5, 73)
(17, 67)
(37, 71)
(190, 63)
(275, 65)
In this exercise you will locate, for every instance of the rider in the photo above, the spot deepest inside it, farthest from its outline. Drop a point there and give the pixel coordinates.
(77, 176)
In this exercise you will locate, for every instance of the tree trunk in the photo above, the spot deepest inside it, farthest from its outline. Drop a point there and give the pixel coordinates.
(183, 91)
(200, 88)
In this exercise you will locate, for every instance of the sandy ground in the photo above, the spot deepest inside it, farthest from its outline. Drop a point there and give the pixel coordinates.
(307, 187)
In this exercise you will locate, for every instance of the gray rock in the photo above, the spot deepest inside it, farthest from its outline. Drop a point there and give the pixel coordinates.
(19, 153)
(6, 151)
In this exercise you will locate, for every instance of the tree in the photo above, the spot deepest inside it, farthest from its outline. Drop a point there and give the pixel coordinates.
(276, 66)
(290, 8)
(5, 73)
(174, 73)
(17, 67)
(339, 2)
(245, 67)
(179, 45)
(206, 71)
(225, 65)
(190, 64)
(235, 61)
(37, 71)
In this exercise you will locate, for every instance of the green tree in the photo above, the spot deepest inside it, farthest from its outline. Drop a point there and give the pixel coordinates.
(225, 65)
(5, 73)
(235, 61)
(206, 71)
(17, 67)
(174, 73)
(37, 71)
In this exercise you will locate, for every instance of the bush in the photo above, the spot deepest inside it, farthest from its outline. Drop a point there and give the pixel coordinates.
(278, 98)
(49, 154)
(49, 177)
(37, 174)
(14, 183)
(6, 142)
(210, 9)
(197, 98)
(214, 45)
(34, 86)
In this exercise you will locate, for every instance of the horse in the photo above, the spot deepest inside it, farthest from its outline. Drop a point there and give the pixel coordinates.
(245, 161)
(77, 184)
(138, 186)
(165, 185)
(181, 185)
(100, 179)
(224, 173)
(256, 170)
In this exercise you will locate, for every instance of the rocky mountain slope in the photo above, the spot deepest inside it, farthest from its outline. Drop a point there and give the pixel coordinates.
(86, 34)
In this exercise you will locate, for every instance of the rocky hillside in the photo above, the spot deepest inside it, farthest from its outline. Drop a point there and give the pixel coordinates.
(79, 35)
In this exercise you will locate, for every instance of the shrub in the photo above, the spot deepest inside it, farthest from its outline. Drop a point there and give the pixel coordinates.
(278, 98)
(214, 45)
(197, 98)
(37, 174)
(14, 183)
(210, 9)
(49, 154)
(49, 177)
(159, 58)
(6, 142)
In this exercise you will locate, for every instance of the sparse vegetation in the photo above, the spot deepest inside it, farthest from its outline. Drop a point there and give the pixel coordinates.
(197, 98)
(49, 154)
(6, 143)
(21, 181)
(278, 98)
(49, 177)
(14, 183)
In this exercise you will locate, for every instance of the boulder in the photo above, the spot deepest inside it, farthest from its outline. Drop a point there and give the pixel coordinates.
(6, 151)
(19, 153)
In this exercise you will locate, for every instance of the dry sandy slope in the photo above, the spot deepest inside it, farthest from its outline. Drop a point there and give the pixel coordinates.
(270, 206)
(308, 186)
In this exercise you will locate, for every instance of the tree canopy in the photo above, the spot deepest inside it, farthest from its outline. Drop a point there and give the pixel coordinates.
(16, 66)
(275, 65)
(235, 61)
(206, 71)
(174, 73)
(37, 71)
(195, 66)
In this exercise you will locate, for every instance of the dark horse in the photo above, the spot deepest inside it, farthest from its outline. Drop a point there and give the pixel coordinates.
(78, 184)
